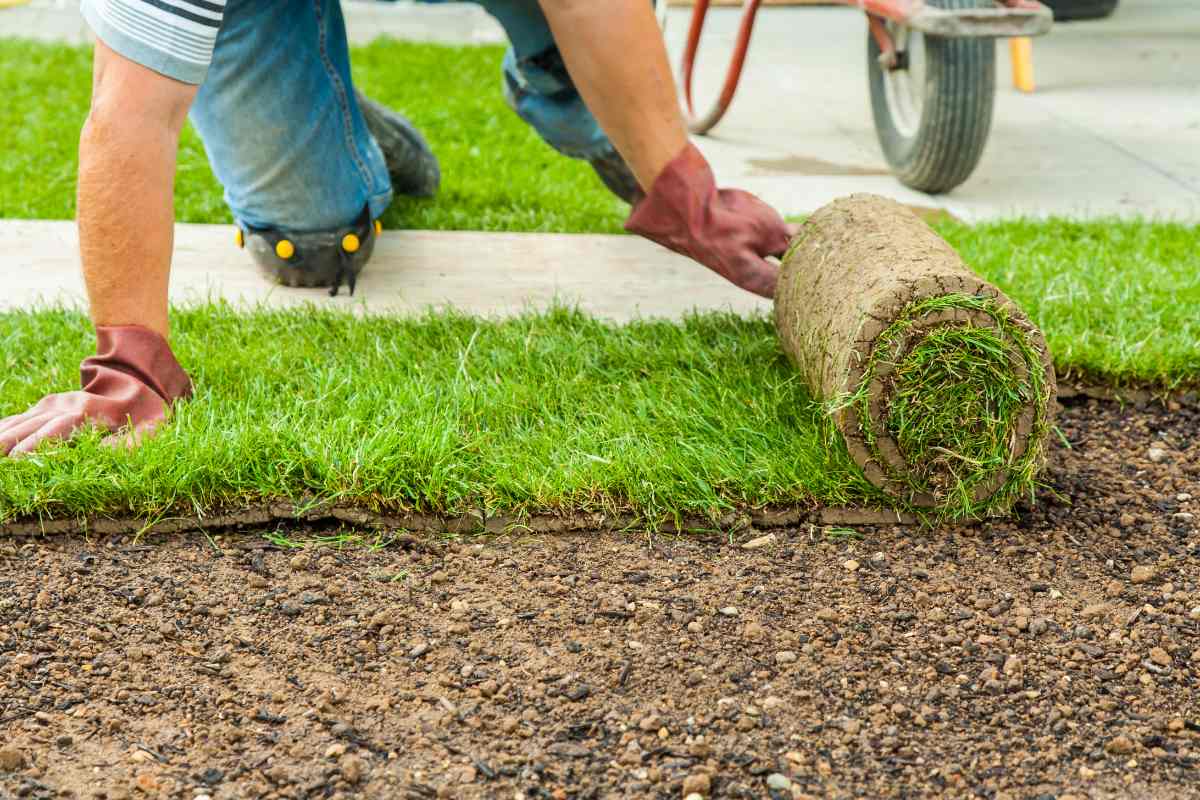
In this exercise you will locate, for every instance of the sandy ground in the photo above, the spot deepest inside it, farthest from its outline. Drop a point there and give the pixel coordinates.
(1054, 655)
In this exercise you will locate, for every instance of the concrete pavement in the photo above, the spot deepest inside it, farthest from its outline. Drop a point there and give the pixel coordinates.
(1113, 128)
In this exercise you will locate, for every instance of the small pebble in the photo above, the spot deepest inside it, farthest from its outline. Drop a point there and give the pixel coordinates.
(759, 541)
(778, 782)
(729, 611)
(698, 783)
(11, 759)
(1141, 574)
(851, 565)
(1119, 746)
(1156, 454)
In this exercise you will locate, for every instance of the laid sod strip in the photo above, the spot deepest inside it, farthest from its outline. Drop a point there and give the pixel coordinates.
(940, 385)
(443, 414)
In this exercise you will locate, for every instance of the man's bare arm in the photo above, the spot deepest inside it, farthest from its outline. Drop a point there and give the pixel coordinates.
(126, 223)
(617, 59)
(126, 190)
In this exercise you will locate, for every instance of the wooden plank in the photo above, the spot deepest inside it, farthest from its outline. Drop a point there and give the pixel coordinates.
(492, 274)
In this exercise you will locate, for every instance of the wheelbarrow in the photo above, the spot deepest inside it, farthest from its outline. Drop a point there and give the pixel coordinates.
(932, 73)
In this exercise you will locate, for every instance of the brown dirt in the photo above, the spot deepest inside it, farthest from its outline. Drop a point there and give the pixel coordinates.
(1055, 655)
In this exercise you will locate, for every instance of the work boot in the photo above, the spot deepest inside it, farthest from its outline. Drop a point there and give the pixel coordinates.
(616, 175)
(411, 164)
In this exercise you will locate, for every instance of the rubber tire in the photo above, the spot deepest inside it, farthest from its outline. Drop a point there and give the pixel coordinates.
(956, 116)
(1069, 10)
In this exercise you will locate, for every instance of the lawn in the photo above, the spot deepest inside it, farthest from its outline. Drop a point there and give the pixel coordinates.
(497, 173)
(549, 411)
(444, 413)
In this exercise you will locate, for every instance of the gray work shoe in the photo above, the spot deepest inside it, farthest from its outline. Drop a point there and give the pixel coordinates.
(616, 175)
(411, 164)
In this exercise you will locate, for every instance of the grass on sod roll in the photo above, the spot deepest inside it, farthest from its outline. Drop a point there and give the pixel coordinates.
(952, 436)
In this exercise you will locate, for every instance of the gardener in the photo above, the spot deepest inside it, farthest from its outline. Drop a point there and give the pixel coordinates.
(299, 154)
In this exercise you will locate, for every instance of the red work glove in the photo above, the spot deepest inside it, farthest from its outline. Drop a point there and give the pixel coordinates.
(131, 382)
(729, 231)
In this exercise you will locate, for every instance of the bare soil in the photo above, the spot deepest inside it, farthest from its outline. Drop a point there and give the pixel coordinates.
(1054, 655)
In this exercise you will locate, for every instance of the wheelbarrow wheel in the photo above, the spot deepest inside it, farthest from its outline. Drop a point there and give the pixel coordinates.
(934, 112)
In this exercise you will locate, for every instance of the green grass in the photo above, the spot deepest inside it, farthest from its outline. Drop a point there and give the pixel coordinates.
(447, 413)
(953, 403)
(1119, 301)
(497, 173)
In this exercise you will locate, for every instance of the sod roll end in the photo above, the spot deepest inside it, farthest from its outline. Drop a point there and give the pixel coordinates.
(940, 385)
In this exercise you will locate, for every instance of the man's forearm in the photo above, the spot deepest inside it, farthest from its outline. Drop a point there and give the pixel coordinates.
(127, 155)
(616, 57)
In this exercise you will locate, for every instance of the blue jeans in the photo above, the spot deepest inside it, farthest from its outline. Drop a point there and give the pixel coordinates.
(287, 140)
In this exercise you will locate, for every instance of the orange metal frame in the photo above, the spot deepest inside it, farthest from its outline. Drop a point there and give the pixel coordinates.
(878, 11)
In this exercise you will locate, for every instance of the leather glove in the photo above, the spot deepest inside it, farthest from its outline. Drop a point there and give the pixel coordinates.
(727, 230)
(130, 383)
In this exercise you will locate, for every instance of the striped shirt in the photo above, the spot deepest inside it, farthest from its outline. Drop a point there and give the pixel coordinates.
(172, 37)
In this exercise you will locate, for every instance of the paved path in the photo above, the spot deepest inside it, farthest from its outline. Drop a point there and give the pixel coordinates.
(614, 277)
(1114, 127)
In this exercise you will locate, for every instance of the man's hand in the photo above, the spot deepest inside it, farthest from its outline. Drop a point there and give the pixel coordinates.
(128, 385)
(615, 54)
(729, 231)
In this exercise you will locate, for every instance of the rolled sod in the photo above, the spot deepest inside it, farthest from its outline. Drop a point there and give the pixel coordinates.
(940, 385)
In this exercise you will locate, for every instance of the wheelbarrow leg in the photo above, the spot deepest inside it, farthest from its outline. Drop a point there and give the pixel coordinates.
(1020, 51)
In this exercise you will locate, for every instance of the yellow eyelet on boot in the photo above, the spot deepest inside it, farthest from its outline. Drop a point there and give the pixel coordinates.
(378, 227)
(285, 249)
(350, 243)
(240, 238)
